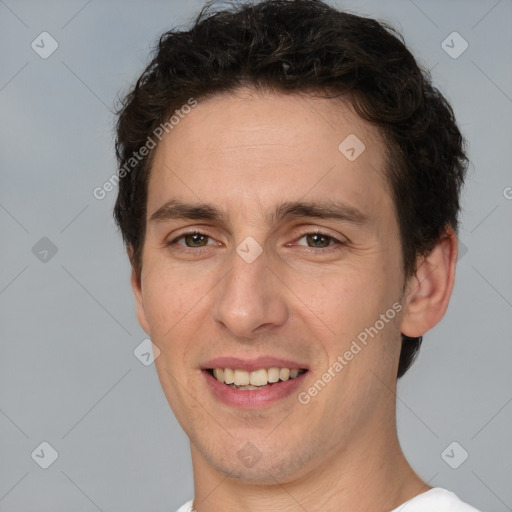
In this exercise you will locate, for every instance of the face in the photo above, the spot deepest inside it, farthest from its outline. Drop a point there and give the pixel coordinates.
(269, 248)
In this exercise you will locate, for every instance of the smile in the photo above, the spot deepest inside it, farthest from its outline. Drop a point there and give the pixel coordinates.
(256, 379)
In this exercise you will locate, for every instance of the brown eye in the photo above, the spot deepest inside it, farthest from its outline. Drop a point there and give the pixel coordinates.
(320, 243)
(318, 240)
(192, 240)
(195, 239)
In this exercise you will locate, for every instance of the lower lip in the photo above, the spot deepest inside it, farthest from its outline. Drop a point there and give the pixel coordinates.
(252, 398)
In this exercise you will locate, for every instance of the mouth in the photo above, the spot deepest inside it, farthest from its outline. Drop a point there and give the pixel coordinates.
(253, 384)
(259, 379)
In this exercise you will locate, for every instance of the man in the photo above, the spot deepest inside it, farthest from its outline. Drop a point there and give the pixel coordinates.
(289, 193)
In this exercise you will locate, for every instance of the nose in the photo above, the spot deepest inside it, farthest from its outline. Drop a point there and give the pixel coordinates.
(251, 298)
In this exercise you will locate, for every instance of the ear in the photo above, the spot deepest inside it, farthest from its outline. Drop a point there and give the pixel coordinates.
(137, 293)
(429, 290)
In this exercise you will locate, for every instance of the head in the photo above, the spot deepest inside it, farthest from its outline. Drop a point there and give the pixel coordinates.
(248, 110)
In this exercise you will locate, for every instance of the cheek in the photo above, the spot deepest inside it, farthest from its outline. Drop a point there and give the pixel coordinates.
(347, 302)
(166, 301)
(167, 293)
(174, 306)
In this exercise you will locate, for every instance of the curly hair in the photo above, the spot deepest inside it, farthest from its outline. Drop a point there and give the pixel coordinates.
(304, 46)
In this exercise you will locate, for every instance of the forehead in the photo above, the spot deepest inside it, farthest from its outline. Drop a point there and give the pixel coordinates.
(250, 151)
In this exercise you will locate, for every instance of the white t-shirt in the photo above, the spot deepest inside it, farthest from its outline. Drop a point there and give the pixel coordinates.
(436, 499)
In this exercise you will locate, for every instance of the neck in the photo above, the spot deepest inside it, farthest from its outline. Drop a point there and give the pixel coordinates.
(370, 473)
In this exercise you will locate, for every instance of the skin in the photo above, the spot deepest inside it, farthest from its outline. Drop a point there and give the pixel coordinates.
(245, 153)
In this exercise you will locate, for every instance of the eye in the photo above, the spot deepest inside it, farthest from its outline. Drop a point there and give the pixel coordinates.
(192, 239)
(196, 241)
(320, 241)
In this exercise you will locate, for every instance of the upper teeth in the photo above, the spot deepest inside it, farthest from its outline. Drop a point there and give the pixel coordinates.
(255, 378)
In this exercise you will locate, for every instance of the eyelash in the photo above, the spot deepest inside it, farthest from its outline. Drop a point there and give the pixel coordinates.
(330, 248)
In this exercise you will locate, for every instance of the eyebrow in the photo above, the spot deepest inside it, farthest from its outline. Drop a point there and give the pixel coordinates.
(329, 209)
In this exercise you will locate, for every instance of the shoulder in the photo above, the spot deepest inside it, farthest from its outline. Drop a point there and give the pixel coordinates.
(187, 507)
(436, 499)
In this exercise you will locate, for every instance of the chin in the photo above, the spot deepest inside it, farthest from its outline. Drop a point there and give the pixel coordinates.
(267, 467)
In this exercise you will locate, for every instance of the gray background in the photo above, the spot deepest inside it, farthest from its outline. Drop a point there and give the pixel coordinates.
(68, 327)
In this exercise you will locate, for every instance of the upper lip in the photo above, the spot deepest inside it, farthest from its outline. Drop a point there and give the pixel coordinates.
(252, 364)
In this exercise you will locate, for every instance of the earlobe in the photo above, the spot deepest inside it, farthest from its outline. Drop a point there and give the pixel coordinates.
(428, 292)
